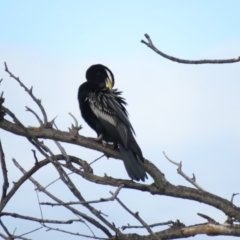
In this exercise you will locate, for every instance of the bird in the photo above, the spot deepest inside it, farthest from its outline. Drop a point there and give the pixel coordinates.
(103, 109)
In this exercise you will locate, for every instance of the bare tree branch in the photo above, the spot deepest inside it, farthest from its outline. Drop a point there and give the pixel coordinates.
(35, 114)
(167, 190)
(233, 195)
(35, 156)
(136, 215)
(210, 220)
(75, 234)
(180, 231)
(30, 92)
(150, 225)
(211, 229)
(68, 182)
(164, 188)
(84, 165)
(65, 179)
(40, 220)
(6, 230)
(34, 169)
(230, 220)
(74, 128)
(179, 170)
(40, 207)
(34, 230)
(112, 198)
(62, 136)
(4, 172)
(75, 211)
(64, 163)
(4, 237)
(149, 43)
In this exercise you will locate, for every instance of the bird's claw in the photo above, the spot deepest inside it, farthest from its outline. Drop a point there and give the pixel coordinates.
(97, 139)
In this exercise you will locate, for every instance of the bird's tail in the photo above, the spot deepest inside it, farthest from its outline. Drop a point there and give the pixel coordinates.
(132, 164)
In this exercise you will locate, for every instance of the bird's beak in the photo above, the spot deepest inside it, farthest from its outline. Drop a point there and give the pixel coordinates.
(109, 84)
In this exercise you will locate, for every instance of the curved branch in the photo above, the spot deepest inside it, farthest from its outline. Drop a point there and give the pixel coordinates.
(180, 171)
(174, 59)
(35, 114)
(160, 186)
(79, 140)
(167, 189)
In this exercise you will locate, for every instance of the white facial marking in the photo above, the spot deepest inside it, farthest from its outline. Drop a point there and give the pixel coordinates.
(109, 75)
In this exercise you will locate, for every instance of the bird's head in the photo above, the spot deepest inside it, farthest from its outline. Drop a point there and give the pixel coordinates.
(100, 74)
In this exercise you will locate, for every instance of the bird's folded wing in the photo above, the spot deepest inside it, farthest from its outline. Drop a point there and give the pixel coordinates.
(111, 116)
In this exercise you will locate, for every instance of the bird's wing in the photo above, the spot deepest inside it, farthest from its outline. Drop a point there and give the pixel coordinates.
(120, 111)
(109, 112)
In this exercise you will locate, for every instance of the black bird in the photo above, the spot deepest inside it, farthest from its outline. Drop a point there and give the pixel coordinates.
(104, 110)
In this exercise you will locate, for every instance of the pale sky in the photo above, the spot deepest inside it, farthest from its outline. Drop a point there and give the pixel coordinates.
(189, 111)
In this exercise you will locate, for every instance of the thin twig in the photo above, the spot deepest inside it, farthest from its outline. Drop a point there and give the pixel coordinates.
(29, 173)
(68, 182)
(73, 210)
(40, 220)
(146, 225)
(35, 114)
(4, 172)
(75, 119)
(95, 160)
(34, 230)
(74, 128)
(17, 184)
(215, 61)
(180, 172)
(210, 220)
(13, 237)
(35, 156)
(29, 91)
(112, 198)
(233, 195)
(150, 225)
(6, 230)
(136, 215)
(15, 119)
(40, 207)
(63, 151)
(75, 234)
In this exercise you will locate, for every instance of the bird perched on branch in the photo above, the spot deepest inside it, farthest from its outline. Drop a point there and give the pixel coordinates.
(103, 108)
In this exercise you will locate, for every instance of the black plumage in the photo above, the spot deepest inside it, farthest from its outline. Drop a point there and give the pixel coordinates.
(103, 108)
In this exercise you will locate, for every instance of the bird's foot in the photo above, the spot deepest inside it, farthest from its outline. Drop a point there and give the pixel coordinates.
(97, 139)
(113, 145)
(100, 139)
(104, 144)
(110, 145)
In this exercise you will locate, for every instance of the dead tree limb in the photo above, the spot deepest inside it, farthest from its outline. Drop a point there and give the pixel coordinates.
(150, 44)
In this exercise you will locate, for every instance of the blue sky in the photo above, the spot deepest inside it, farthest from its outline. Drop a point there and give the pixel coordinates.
(189, 111)
(64, 27)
